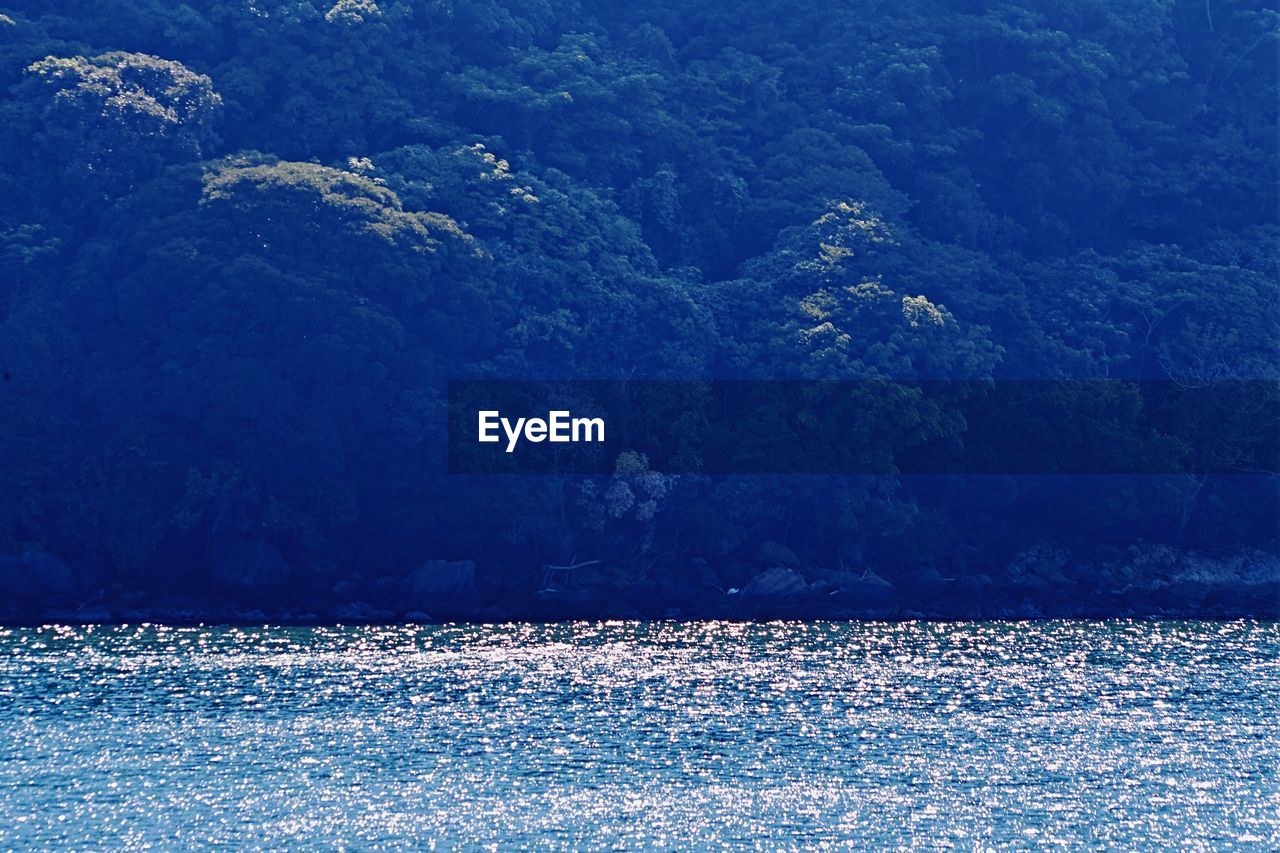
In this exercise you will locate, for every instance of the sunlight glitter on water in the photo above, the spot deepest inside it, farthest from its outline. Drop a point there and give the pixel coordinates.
(624, 734)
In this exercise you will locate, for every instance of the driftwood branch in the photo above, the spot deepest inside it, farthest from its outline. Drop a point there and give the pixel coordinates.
(551, 572)
(583, 564)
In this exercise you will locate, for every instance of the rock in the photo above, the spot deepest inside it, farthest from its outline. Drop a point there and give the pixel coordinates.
(732, 572)
(1156, 577)
(58, 616)
(975, 585)
(36, 576)
(1245, 584)
(1086, 576)
(1039, 560)
(1055, 577)
(776, 582)
(1032, 585)
(928, 575)
(835, 577)
(1182, 596)
(176, 615)
(927, 583)
(643, 598)
(385, 593)
(555, 605)
(437, 581)
(869, 588)
(249, 568)
(622, 611)
(701, 574)
(363, 612)
(1249, 569)
(348, 590)
(777, 554)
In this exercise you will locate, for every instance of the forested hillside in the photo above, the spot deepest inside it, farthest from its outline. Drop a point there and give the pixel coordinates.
(244, 244)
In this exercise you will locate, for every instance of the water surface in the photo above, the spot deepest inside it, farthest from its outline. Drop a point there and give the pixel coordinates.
(622, 734)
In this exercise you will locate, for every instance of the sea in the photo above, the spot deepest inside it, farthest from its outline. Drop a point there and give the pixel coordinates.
(591, 735)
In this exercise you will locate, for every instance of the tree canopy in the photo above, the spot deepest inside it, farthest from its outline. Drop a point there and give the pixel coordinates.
(245, 246)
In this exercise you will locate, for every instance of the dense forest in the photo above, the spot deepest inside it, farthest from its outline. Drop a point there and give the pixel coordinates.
(244, 245)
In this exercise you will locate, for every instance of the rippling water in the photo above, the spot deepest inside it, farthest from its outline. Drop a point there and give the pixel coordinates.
(624, 734)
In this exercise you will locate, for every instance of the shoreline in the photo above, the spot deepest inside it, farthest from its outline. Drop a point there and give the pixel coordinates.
(1144, 581)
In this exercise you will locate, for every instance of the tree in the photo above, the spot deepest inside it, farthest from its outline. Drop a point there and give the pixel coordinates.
(283, 330)
(112, 121)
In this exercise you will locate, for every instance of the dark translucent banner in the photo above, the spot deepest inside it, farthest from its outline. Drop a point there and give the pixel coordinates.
(865, 427)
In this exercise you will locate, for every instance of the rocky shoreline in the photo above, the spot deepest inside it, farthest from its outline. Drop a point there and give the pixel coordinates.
(253, 587)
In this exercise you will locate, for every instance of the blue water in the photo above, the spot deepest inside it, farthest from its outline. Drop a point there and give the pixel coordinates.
(624, 734)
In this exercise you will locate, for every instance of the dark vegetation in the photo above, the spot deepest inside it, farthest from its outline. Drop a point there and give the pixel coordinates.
(244, 244)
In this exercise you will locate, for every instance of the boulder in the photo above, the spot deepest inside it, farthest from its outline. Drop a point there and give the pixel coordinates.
(777, 554)
(776, 582)
(701, 574)
(348, 590)
(732, 572)
(437, 581)
(1150, 577)
(1032, 585)
(1246, 570)
(1246, 583)
(249, 568)
(362, 612)
(869, 588)
(385, 593)
(493, 614)
(927, 583)
(556, 605)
